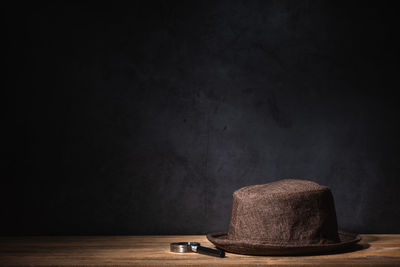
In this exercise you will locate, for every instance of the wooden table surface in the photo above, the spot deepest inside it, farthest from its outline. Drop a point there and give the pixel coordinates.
(374, 250)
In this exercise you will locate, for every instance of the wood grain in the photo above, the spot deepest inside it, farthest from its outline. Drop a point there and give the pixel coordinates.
(374, 250)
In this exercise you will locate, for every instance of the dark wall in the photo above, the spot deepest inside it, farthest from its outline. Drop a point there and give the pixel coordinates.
(143, 119)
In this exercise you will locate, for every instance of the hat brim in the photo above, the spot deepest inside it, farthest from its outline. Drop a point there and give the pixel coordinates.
(221, 241)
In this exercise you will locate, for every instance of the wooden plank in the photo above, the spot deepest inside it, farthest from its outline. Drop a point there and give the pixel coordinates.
(374, 250)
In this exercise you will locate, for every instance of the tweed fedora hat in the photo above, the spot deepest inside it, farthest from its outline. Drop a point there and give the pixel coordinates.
(287, 217)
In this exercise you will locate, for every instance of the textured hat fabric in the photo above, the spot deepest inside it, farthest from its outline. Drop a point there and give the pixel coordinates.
(286, 217)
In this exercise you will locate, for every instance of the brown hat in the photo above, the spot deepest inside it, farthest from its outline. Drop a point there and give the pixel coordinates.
(287, 217)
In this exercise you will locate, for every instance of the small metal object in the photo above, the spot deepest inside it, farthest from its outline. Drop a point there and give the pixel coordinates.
(183, 247)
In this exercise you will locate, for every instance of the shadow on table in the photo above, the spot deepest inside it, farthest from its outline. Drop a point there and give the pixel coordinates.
(353, 248)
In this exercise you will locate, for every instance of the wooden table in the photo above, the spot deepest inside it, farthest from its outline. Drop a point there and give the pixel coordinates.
(374, 250)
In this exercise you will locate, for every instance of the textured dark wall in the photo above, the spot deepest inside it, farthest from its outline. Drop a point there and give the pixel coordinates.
(144, 119)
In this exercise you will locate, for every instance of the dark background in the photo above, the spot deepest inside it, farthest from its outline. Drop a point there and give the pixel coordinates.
(143, 119)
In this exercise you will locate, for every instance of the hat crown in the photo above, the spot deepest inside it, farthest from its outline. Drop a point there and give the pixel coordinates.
(284, 212)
